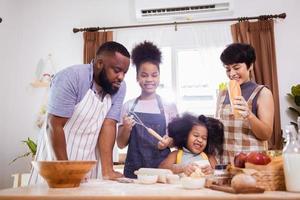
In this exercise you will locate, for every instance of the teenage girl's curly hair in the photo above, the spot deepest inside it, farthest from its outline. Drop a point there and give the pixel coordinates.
(145, 52)
(180, 127)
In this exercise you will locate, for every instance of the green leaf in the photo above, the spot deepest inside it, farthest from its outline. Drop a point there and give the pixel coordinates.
(21, 156)
(295, 90)
(297, 100)
(222, 86)
(290, 95)
(294, 110)
(295, 125)
(31, 145)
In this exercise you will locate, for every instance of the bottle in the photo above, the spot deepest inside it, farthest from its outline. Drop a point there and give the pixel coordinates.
(291, 160)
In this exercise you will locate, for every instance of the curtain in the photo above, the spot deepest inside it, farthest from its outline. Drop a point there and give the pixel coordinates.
(260, 35)
(92, 40)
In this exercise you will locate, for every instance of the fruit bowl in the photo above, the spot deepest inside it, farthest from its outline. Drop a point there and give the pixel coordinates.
(63, 173)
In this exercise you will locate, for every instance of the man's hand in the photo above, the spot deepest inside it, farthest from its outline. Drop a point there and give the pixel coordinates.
(113, 175)
(106, 143)
(56, 133)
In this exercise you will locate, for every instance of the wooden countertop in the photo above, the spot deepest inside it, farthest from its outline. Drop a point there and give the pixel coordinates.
(112, 190)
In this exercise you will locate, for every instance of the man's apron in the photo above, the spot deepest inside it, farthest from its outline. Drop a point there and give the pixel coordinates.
(142, 148)
(81, 133)
(238, 136)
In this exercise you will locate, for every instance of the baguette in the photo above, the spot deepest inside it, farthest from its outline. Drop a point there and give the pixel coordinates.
(234, 91)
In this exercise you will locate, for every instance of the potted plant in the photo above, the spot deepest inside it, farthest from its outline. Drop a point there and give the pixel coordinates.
(32, 146)
(295, 97)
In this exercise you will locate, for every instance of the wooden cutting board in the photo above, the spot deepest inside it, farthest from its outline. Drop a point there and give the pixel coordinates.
(227, 188)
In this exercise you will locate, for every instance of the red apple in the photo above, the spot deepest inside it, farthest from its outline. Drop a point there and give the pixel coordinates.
(240, 159)
(258, 158)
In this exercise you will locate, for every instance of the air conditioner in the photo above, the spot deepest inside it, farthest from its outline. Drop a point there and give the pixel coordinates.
(162, 10)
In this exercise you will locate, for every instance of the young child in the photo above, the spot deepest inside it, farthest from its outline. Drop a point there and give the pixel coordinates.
(144, 150)
(198, 140)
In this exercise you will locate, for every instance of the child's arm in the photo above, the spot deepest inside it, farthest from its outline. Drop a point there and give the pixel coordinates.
(124, 132)
(170, 163)
(171, 113)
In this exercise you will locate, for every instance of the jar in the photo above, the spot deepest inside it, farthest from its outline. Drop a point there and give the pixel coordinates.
(221, 175)
(220, 170)
(291, 160)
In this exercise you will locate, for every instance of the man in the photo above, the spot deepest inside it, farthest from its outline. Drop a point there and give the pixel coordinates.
(84, 106)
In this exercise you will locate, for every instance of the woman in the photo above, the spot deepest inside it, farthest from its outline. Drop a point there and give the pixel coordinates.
(144, 150)
(254, 127)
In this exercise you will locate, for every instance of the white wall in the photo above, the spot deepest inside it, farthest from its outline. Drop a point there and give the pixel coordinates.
(32, 29)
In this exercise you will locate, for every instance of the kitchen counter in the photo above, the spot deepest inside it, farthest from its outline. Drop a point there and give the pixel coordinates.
(112, 190)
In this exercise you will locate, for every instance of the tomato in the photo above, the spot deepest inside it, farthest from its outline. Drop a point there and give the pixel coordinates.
(258, 158)
(240, 159)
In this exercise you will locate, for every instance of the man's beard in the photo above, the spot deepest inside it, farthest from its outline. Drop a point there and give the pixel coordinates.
(105, 84)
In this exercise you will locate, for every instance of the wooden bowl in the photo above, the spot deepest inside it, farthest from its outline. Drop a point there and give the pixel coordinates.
(63, 173)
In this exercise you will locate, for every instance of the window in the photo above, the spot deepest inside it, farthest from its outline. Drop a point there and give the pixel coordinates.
(191, 69)
(190, 77)
(199, 72)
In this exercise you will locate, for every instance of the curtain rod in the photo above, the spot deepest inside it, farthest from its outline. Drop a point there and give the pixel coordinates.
(261, 17)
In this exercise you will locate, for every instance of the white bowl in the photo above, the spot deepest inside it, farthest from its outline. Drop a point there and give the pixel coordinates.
(192, 183)
(161, 173)
(172, 178)
(147, 179)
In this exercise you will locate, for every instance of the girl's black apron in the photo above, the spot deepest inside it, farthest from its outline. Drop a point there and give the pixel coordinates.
(142, 148)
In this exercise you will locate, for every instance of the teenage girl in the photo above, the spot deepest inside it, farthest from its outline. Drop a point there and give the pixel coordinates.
(144, 150)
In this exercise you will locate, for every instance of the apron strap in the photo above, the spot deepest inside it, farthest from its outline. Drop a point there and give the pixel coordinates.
(134, 104)
(160, 105)
(220, 101)
(204, 156)
(159, 102)
(255, 92)
(179, 156)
